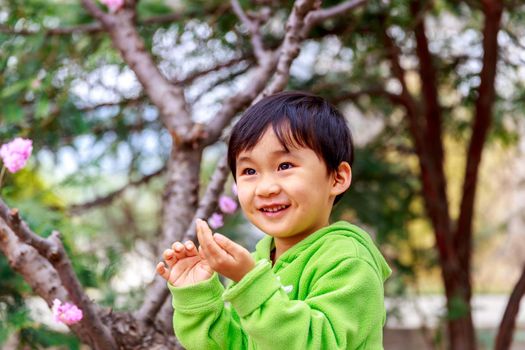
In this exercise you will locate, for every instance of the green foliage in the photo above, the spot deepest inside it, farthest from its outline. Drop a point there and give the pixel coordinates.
(41, 337)
(47, 87)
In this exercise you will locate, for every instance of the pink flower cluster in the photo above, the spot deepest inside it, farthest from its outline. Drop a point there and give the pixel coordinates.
(227, 205)
(216, 220)
(15, 153)
(113, 5)
(66, 313)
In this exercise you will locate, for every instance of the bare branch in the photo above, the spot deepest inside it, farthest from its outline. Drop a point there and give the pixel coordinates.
(191, 77)
(219, 82)
(258, 78)
(463, 237)
(283, 59)
(429, 84)
(208, 202)
(290, 47)
(254, 29)
(96, 12)
(440, 218)
(508, 321)
(168, 98)
(36, 271)
(96, 27)
(321, 15)
(77, 209)
(44, 265)
(157, 293)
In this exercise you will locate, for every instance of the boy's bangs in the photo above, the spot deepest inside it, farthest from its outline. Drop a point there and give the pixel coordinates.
(293, 136)
(290, 136)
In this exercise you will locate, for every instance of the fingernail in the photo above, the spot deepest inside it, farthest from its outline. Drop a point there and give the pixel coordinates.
(179, 245)
(218, 236)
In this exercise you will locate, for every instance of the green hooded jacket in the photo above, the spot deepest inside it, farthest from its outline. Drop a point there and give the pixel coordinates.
(326, 292)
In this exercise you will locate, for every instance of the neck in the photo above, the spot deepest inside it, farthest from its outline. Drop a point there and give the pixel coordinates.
(285, 243)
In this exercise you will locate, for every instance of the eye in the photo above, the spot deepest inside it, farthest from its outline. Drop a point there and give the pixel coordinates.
(285, 166)
(248, 171)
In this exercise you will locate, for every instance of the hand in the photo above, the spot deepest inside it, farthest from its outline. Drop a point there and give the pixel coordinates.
(222, 254)
(185, 266)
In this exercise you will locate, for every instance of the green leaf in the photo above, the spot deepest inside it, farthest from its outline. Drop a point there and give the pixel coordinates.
(42, 108)
(13, 88)
(13, 113)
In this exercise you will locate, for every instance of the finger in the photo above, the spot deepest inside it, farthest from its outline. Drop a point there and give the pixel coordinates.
(191, 250)
(201, 238)
(210, 247)
(229, 246)
(169, 257)
(201, 254)
(179, 250)
(163, 271)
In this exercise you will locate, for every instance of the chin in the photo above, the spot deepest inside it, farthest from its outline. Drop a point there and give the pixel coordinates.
(271, 230)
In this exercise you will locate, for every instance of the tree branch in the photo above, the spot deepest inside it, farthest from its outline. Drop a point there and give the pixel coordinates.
(220, 81)
(157, 293)
(77, 209)
(321, 15)
(440, 219)
(290, 47)
(283, 59)
(508, 321)
(43, 277)
(253, 27)
(433, 129)
(194, 75)
(429, 83)
(484, 103)
(168, 98)
(258, 78)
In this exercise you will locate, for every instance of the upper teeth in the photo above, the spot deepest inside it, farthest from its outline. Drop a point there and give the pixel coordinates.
(273, 209)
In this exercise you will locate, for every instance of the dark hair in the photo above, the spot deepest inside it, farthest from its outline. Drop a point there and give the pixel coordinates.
(298, 119)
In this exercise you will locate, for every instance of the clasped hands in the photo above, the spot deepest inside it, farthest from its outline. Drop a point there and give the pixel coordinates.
(185, 265)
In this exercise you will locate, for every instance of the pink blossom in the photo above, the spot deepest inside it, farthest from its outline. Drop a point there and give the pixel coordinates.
(227, 205)
(15, 153)
(66, 313)
(234, 189)
(113, 5)
(215, 221)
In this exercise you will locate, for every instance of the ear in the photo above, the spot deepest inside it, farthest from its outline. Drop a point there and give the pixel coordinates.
(342, 178)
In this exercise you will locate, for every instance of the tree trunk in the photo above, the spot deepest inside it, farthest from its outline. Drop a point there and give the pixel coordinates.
(508, 321)
(460, 327)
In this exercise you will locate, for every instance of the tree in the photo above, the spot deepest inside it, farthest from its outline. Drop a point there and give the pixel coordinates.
(409, 54)
(397, 65)
(149, 325)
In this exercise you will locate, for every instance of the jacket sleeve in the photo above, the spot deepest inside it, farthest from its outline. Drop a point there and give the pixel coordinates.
(344, 304)
(201, 321)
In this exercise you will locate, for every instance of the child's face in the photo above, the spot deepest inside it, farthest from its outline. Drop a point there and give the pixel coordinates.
(287, 195)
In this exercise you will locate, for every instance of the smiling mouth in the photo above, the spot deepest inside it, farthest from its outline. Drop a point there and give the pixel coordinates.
(274, 209)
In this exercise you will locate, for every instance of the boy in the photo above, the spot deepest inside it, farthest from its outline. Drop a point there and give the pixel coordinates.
(309, 285)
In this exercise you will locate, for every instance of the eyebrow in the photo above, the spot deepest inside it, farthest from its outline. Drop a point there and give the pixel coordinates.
(279, 152)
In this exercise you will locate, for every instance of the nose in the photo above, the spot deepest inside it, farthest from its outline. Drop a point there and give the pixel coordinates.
(267, 186)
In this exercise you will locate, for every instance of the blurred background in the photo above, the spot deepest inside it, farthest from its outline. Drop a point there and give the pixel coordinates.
(434, 95)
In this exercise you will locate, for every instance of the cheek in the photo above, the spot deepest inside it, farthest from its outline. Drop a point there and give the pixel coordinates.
(243, 196)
